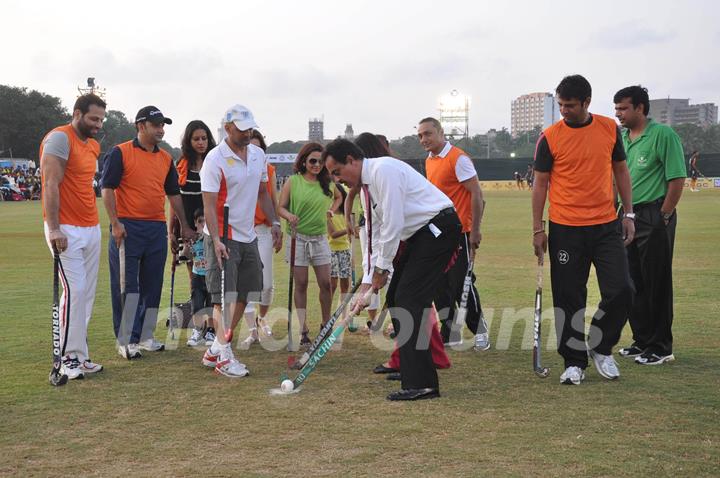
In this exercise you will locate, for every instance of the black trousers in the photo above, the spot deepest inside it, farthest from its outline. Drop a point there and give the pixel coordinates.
(450, 294)
(650, 257)
(572, 249)
(412, 290)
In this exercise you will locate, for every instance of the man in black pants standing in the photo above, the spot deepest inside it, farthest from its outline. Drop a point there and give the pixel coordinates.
(579, 157)
(450, 169)
(657, 169)
(412, 210)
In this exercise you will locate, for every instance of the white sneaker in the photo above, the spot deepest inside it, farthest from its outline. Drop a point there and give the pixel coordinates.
(229, 366)
(130, 351)
(482, 342)
(151, 345)
(210, 358)
(251, 339)
(71, 368)
(267, 330)
(195, 338)
(572, 376)
(605, 365)
(88, 366)
(209, 338)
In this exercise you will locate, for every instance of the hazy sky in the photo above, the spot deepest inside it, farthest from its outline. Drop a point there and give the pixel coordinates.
(378, 65)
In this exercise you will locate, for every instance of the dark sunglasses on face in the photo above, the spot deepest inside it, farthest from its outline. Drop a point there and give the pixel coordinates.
(313, 161)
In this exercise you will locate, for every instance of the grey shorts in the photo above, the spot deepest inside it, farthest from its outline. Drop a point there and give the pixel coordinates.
(341, 264)
(243, 272)
(309, 250)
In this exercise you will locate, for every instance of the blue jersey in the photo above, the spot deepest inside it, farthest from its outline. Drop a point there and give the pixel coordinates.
(199, 264)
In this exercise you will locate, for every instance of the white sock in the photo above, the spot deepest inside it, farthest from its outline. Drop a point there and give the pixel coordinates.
(216, 346)
(226, 352)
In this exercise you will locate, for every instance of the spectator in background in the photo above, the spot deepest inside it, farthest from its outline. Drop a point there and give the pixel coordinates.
(307, 200)
(263, 230)
(196, 142)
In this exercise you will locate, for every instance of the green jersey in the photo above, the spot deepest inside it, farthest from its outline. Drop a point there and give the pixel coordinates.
(309, 203)
(653, 158)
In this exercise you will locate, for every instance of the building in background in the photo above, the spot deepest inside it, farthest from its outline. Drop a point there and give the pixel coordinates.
(674, 111)
(533, 110)
(349, 133)
(316, 131)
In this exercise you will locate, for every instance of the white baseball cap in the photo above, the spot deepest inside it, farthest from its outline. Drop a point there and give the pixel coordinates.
(241, 116)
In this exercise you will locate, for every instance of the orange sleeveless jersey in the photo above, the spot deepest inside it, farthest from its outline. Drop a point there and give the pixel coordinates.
(182, 170)
(441, 172)
(260, 217)
(581, 179)
(141, 194)
(77, 197)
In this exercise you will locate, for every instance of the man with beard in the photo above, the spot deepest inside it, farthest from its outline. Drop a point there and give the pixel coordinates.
(68, 158)
(137, 175)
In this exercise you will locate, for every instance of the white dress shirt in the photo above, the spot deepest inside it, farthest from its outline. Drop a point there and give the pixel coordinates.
(402, 202)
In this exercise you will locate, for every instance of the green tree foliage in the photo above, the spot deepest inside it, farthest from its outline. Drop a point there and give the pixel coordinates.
(26, 116)
(116, 129)
(696, 138)
(286, 147)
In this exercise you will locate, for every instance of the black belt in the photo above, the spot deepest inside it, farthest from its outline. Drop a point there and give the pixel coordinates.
(445, 212)
(656, 202)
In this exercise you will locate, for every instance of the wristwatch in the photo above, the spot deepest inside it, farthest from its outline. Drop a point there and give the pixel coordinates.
(629, 215)
(666, 215)
(276, 223)
(381, 272)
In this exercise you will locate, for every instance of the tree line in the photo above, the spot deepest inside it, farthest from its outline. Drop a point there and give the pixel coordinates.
(27, 115)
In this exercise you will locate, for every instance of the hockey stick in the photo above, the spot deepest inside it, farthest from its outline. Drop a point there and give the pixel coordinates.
(290, 346)
(540, 371)
(171, 317)
(298, 364)
(56, 378)
(317, 356)
(223, 239)
(123, 293)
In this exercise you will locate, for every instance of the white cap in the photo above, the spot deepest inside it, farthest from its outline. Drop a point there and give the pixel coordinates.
(241, 116)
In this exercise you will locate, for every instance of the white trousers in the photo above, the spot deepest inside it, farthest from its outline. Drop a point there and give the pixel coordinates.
(78, 277)
(265, 246)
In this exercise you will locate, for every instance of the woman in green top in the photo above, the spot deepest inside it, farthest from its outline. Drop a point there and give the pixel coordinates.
(308, 198)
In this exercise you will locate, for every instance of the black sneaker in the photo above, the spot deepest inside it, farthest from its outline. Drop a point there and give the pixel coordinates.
(650, 358)
(632, 351)
(305, 340)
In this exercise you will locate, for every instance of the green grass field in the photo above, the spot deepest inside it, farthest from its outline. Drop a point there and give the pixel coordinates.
(167, 415)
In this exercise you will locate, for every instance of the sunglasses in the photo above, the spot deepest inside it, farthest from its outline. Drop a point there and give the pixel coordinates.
(313, 161)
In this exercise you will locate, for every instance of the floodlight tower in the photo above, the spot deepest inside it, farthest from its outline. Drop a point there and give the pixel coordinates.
(92, 88)
(454, 114)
